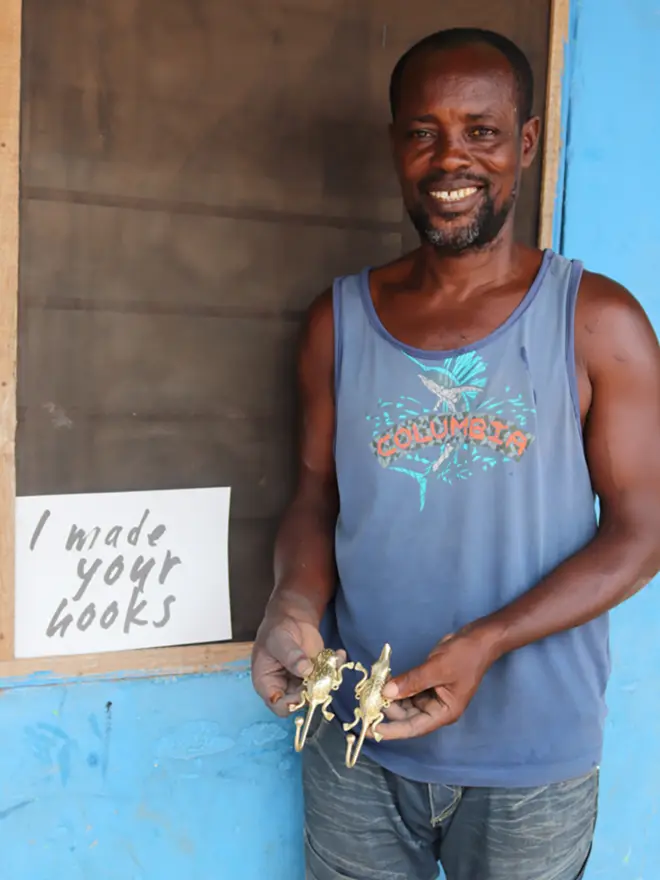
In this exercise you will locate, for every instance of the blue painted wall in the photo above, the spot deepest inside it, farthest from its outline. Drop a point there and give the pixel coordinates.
(152, 779)
(190, 778)
(612, 221)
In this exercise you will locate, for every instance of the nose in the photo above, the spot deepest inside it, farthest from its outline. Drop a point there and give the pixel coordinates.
(450, 154)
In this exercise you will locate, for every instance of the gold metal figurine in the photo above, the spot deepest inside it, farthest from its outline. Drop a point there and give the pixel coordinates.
(325, 677)
(371, 703)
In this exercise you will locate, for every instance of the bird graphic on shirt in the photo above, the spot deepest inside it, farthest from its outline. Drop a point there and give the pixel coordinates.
(454, 384)
(449, 396)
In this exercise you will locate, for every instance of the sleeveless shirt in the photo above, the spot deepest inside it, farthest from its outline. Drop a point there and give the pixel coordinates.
(462, 482)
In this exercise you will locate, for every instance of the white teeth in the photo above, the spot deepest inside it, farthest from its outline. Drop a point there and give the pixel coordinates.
(454, 195)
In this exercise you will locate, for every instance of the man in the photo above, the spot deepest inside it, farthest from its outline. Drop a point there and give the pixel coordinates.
(462, 407)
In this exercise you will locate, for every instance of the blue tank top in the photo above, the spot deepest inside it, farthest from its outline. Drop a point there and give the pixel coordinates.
(463, 481)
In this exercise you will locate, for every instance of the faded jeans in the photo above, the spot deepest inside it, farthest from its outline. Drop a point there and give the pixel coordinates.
(369, 824)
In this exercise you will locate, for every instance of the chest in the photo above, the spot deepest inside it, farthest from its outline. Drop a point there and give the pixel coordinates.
(442, 326)
(456, 412)
(444, 420)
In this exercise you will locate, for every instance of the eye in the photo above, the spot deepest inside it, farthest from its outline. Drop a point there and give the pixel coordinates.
(420, 134)
(482, 131)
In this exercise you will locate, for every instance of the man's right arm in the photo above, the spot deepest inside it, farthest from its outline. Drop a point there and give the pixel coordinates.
(304, 549)
(305, 569)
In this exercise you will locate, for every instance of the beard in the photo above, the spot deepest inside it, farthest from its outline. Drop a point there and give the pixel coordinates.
(456, 237)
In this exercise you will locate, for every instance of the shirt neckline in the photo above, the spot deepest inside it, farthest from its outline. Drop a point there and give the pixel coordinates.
(437, 354)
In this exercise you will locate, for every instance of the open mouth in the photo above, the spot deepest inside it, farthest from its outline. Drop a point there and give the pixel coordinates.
(453, 196)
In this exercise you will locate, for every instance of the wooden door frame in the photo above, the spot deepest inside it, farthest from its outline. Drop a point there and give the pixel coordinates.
(192, 658)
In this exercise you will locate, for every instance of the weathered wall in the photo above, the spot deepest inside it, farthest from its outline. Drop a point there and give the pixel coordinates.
(192, 175)
(154, 779)
(611, 222)
(173, 778)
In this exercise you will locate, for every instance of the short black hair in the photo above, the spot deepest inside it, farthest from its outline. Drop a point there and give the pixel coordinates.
(453, 38)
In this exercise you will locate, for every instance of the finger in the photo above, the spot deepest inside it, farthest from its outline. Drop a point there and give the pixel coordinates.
(278, 692)
(281, 707)
(424, 720)
(284, 648)
(399, 710)
(415, 681)
(417, 725)
(282, 703)
(271, 686)
(269, 678)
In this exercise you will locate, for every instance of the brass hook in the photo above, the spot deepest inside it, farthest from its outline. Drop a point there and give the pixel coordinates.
(325, 677)
(301, 732)
(368, 692)
(352, 750)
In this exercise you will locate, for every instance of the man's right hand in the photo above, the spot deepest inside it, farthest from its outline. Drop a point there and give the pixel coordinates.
(283, 653)
(288, 639)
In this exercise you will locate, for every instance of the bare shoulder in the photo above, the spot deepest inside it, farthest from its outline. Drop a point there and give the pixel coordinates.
(317, 331)
(319, 311)
(318, 325)
(612, 328)
(621, 376)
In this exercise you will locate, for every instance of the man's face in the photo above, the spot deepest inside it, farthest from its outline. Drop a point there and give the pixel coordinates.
(459, 147)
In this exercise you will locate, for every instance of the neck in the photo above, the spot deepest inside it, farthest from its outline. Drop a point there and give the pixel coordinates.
(462, 274)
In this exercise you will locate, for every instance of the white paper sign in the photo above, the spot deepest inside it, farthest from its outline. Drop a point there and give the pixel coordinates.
(118, 571)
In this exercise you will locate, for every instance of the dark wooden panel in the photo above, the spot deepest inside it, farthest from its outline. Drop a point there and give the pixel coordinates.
(90, 257)
(153, 97)
(193, 173)
(211, 103)
(112, 362)
(68, 450)
(250, 573)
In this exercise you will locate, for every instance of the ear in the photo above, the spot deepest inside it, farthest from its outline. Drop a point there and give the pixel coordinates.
(530, 136)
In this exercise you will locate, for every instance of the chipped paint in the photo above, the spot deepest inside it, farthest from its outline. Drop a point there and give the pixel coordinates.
(611, 222)
(136, 776)
(58, 417)
(164, 778)
(4, 814)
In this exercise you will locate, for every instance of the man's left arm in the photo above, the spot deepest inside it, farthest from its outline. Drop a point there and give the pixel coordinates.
(620, 361)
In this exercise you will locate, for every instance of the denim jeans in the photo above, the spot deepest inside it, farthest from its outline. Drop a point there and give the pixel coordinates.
(369, 824)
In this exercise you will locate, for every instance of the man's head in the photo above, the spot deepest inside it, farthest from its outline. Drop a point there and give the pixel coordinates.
(462, 131)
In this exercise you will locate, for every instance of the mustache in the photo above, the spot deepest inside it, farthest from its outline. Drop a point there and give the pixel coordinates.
(437, 180)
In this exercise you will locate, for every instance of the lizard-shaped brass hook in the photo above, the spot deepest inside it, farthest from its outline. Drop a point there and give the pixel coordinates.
(371, 703)
(325, 677)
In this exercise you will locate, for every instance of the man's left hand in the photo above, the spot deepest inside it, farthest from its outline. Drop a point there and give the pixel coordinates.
(437, 692)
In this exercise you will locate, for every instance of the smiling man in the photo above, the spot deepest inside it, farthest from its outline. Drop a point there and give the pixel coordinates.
(462, 407)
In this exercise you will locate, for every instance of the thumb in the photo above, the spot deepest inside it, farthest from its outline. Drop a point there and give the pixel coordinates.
(287, 651)
(411, 683)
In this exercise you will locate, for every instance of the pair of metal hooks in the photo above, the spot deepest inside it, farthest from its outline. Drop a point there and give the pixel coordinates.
(326, 677)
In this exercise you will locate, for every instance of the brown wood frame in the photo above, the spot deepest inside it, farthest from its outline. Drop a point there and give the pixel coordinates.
(552, 141)
(10, 92)
(159, 661)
